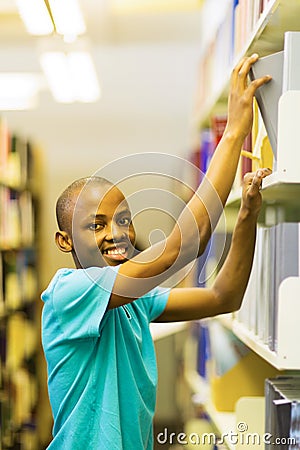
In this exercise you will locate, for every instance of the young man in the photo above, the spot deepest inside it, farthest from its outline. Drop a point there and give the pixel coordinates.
(96, 338)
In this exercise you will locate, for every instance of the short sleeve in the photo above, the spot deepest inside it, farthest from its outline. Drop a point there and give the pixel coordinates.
(80, 298)
(155, 302)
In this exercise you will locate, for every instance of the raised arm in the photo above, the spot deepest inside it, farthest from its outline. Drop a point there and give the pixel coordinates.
(229, 287)
(193, 229)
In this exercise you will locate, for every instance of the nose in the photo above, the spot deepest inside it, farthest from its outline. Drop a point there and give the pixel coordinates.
(115, 232)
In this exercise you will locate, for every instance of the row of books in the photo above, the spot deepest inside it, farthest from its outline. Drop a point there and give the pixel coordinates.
(276, 258)
(205, 145)
(18, 383)
(16, 218)
(18, 280)
(246, 14)
(240, 19)
(18, 429)
(15, 158)
(19, 338)
(256, 151)
(282, 425)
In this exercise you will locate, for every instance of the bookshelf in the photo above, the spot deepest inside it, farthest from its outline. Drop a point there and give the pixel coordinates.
(259, 26)
(263, 34)
(19, 336)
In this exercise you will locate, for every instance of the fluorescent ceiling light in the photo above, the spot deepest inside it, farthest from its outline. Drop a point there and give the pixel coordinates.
(67, 17)
(35, 16)
(84, 78)
(18, 90)
(71, 77)
(41, 17)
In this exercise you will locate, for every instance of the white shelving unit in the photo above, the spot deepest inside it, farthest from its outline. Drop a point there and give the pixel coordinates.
(281, 188)
(287, 356)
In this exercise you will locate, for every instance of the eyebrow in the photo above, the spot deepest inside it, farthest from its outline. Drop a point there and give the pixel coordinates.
(102, 216)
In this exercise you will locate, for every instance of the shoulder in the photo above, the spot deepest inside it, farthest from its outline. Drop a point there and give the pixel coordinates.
(67, 280)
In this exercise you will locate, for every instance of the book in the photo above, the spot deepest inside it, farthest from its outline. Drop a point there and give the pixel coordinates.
(218, 125)
(287, 236)
(206, 149)
(246, 161)
(282, 402)
(268, 95)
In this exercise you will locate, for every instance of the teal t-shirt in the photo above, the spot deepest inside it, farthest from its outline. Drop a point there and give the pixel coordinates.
(102, 373)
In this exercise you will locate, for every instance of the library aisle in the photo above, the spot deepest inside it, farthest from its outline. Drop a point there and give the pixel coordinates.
(127, 85)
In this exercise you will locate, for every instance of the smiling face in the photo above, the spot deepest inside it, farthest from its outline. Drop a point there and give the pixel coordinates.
(102, 231)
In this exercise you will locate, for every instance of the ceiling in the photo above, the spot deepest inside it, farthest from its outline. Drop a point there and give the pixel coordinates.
(146, 61)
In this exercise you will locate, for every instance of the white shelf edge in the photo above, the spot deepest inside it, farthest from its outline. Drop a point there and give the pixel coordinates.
(275, 180)
(224, 422)
(252, 341)
(161, 330)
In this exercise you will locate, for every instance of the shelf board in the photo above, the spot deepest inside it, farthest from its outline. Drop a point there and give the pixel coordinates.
(276, 189)
(224, 422)
(254, 343)
(161, 330)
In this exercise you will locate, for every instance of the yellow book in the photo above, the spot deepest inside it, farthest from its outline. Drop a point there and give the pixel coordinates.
(255, 122)
(266, 154)
(244, 379)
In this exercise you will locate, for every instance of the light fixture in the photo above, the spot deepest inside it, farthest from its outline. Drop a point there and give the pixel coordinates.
(71, 76)
(42, 17)
(35, 16)
(67, 17)
(19, 90)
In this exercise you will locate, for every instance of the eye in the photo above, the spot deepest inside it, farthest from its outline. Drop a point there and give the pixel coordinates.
(124, 221)
(95, 226)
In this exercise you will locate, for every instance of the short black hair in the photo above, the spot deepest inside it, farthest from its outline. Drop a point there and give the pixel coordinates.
(66, 201)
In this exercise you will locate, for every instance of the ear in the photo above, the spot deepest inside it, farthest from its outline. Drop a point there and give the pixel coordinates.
(63, 241)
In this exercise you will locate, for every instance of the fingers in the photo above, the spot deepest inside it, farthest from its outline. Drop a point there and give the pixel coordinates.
(255, 179)
(255, 84)
(241, 70)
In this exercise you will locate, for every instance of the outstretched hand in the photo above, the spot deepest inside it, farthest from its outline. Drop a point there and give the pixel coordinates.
(240, 100)
(252, 182)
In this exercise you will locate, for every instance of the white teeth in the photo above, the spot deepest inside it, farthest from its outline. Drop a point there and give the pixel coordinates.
(116, 251)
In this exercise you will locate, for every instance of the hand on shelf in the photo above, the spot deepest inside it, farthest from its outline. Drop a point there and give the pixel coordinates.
(251, 196)
(240, 100)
